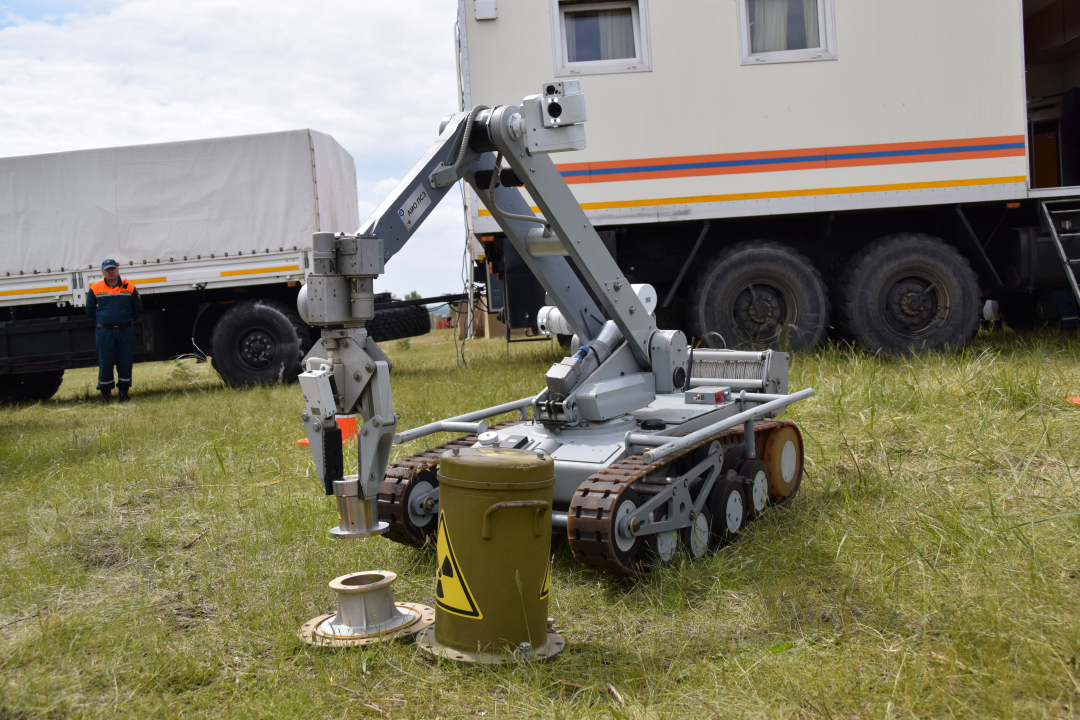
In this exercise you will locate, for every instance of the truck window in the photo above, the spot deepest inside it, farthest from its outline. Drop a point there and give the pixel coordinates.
(786, 30)
(599, 37)
(599, 34)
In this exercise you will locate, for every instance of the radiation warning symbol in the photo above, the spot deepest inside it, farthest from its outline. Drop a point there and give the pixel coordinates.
(547, 582)
(451, 591)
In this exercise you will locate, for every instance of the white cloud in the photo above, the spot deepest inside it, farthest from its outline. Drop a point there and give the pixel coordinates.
(377, 76)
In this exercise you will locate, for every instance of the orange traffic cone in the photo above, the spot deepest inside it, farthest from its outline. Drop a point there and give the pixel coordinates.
(347, 423)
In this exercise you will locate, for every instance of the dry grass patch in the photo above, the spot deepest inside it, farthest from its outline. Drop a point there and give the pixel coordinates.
(162, 555)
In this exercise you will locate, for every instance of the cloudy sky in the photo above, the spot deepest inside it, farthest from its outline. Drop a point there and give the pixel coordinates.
(376, 75)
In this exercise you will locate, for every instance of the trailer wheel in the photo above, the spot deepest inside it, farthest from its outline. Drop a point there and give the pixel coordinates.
(302, 330)
(30, 387)
(909, 292)
(397, 323)
(760, 295)
(254, 343)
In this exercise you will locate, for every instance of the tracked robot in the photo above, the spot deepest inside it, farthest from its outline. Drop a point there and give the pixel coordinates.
(655, 445)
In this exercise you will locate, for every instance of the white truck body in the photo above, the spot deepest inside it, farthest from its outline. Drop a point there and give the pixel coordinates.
(923, 103)
(824, 126)
(199, 214)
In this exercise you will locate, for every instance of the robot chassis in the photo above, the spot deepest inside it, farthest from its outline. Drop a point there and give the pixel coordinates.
(655, 444)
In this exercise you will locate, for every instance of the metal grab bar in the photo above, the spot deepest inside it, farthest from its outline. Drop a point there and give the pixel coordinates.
(710, 354)
(540, 505)
(665, 446)
(462, 423)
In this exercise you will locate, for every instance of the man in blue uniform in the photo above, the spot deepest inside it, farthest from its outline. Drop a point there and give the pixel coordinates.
(115, 304)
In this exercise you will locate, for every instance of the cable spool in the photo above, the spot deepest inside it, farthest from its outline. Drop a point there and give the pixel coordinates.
(756, 371)
(710, 367)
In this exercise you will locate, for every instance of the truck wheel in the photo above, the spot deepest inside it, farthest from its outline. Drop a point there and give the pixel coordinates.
(909, 292)
(253, 343)
(760, 295)
(30, 387)
(397, 323)
(302, 330)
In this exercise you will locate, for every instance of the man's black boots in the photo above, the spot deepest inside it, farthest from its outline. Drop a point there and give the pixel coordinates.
(123, 395)
(106, 396)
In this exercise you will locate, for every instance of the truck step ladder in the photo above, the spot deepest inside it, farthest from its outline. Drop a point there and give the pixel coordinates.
(1063, 217)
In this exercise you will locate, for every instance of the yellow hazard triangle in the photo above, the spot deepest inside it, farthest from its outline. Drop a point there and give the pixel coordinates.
(547, 582)
(451, 591)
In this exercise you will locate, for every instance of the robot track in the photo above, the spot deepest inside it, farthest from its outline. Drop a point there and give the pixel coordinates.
(595, 509)
(593, 512)
(402, 477)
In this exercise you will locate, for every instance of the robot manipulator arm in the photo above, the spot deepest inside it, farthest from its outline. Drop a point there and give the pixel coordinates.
(366, 392)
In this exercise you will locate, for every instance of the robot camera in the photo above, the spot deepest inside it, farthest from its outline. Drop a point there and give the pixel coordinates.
(555, 116)
(562, 103)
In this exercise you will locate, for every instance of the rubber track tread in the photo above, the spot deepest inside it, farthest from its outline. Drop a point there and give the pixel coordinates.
(589, 526)
(401, 473)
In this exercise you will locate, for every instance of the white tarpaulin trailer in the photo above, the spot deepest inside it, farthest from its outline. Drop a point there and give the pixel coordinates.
(183, 213)
(215, 234)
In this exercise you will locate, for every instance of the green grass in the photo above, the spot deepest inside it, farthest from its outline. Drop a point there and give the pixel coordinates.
(160, 557)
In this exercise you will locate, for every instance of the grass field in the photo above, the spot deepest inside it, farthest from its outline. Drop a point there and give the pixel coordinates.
(160, 557)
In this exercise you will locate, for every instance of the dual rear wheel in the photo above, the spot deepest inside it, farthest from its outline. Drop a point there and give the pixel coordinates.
(901, 293)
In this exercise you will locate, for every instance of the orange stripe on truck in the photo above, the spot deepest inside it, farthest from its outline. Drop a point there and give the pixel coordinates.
(35, 291)
(141, 281)
(810, 192)
(802, 159)
(259, 271)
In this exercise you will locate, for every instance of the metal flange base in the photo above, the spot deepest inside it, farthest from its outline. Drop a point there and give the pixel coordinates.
(434, 650)
(423, 618)
(379, 529)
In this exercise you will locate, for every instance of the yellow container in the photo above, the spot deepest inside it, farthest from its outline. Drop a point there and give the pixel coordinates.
(494, 557)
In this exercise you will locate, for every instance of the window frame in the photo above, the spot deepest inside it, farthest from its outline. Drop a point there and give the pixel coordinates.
(826, 27)
(642, 62)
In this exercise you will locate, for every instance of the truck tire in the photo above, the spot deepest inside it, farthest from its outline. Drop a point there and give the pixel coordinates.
(759, 295)
(302, 329)
(30, 387)
(397, 323)
(253, 343)
(909, 292)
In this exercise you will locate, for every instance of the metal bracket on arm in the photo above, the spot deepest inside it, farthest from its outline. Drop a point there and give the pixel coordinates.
(568, 221)
(426, 184)
(410, 203)
(554, 273)
(377, 434)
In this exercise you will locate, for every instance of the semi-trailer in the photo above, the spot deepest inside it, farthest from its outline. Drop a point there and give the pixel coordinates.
(215, 235)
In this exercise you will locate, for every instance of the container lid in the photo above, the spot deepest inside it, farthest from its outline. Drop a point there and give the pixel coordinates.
(497, 469)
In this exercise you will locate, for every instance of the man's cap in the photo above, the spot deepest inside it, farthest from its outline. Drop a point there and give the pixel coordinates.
(109, 264)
